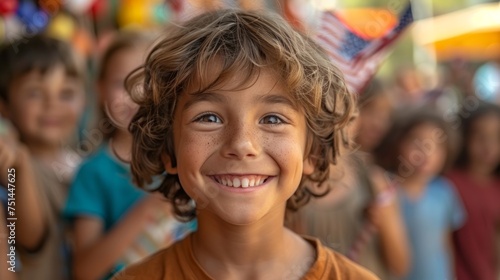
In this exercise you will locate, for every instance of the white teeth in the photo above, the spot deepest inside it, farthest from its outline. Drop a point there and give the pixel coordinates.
(244, 183)
(241, 182)
(236, 182)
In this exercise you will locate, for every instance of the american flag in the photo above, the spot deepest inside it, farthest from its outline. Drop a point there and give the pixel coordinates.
(358, 58)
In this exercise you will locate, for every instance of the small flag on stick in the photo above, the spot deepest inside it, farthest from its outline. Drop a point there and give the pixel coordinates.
(357, 57)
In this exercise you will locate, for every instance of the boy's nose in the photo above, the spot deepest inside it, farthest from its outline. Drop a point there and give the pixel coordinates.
(49, 102)
(241, 141)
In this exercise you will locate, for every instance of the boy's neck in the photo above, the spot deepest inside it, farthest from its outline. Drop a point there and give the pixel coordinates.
(244, 251)
(45, 152)
(121, 144)
(366, 157)
(414, 186)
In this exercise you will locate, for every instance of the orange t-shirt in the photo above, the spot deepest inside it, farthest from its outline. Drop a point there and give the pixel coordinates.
(178, 262)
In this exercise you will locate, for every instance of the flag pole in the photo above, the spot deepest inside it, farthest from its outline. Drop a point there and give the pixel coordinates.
(424, 58)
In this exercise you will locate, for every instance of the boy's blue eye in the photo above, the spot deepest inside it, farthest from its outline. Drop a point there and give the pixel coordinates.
(210, 118)
(271, 119)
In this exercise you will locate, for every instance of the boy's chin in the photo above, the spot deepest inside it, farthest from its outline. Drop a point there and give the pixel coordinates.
(242, 220)
(427, 172)
(49, 140)
(242, 216)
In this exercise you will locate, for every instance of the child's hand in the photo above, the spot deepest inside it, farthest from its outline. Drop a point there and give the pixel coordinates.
(385, 218)
(384, 197)
(7, 154)
(376, 213)
(12, 153)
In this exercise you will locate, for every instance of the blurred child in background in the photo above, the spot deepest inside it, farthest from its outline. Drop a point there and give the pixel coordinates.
(350, 219)
(376, 109)
(41, 94)
(109, 215)
(416, 150)
(477, 180)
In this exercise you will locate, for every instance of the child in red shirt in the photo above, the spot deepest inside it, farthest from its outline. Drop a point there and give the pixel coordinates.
(477, 180)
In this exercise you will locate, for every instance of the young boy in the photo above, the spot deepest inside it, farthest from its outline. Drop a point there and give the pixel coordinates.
(41, 95)
(239, 109)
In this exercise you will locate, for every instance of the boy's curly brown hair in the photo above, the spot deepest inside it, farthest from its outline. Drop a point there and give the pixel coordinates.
(242, 42)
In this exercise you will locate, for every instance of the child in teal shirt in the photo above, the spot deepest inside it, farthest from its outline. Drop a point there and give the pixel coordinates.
(113, 222)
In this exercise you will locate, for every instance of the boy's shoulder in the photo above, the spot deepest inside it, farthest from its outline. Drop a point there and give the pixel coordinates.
(174, 262)
(152, 267)
(100, 154)
(99, 161)
(442, 186)
(332, 265)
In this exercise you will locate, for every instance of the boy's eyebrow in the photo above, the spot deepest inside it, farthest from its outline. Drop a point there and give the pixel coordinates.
(277, 99)
(220, 98)
(205, 96)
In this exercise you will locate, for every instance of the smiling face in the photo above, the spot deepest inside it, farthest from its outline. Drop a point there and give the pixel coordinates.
(423, 150)
(45, 108)
(240, 153)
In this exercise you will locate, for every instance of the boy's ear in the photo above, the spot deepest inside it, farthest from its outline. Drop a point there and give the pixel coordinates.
(167, 163)
(308, 168)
